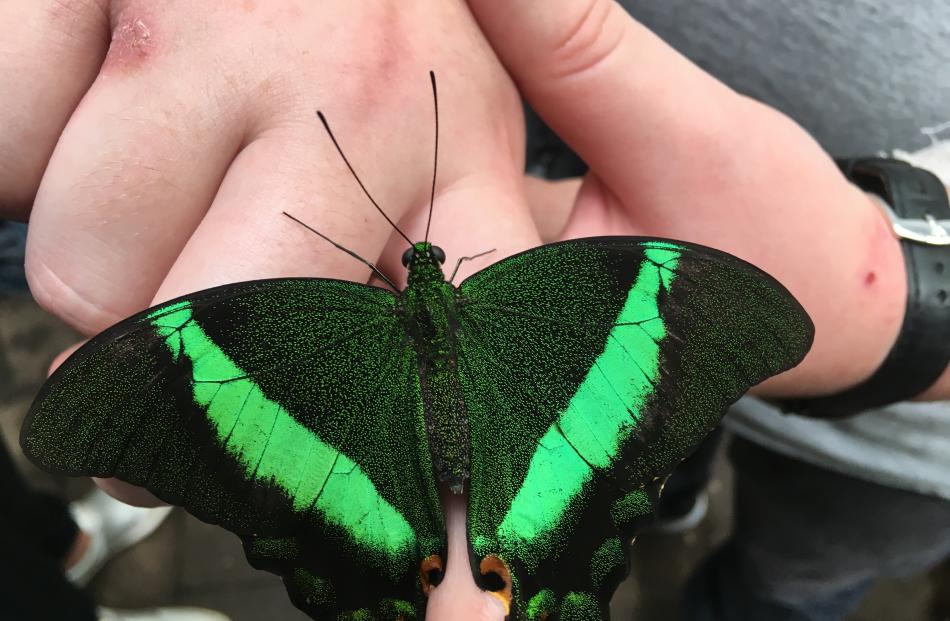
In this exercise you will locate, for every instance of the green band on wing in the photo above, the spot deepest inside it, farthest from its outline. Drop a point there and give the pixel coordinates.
(273, 447)
(616, 387)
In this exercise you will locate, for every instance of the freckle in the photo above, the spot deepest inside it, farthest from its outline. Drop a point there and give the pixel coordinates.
(870, 278)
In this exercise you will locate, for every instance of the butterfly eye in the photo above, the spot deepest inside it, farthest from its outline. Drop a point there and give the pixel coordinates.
(431, 572)
(438, 254)
(407, 256)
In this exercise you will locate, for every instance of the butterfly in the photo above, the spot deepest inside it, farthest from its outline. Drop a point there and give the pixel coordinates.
(317, 419)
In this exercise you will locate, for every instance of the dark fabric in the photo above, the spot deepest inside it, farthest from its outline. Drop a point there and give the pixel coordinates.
(36, 534)
(41, 518)
(547, 155)
(12, 250)
(809, 543)
(861, 76)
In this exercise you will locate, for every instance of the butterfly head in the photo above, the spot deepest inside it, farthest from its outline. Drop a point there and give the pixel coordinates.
(424, 262)
(423, 252)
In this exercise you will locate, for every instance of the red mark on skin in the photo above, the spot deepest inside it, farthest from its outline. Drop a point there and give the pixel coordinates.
(131, 44)
(870, 278)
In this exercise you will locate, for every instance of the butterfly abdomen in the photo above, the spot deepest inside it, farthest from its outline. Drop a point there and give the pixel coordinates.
(430, 322)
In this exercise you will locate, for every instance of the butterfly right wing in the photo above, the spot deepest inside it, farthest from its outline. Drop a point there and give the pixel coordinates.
(288, 411)
(590, 368)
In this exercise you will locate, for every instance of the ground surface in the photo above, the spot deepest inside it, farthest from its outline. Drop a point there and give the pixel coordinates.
(188, 562)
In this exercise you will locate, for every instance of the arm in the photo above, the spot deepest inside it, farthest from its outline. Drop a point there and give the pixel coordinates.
(675, 153)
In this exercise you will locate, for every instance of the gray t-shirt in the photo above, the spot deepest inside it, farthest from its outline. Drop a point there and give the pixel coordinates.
(863, 77)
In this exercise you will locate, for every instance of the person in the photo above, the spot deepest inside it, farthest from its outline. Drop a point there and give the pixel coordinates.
(165, 155)
(52, 549)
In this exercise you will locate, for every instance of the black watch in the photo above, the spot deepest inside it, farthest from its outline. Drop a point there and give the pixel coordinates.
(916, 203)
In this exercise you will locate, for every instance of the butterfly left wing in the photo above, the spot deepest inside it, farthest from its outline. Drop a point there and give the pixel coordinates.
(590, 368)
(288, 411)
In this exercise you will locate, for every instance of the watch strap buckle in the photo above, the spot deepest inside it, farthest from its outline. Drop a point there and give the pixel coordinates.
(927, 230)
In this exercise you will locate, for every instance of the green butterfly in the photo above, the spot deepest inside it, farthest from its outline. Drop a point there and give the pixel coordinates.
(315, 418)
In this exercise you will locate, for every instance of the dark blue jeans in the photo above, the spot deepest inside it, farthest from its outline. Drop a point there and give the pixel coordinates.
(809, 543)
(36, 534)
(36, 529)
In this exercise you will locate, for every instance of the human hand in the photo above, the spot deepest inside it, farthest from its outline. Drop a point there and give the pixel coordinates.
(158, 146)
(675, 153)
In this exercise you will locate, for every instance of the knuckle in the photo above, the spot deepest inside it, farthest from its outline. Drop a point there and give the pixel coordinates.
(591, 39)
(55, 294)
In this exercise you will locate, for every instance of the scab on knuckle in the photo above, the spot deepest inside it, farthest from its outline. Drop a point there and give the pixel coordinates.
(593, 38)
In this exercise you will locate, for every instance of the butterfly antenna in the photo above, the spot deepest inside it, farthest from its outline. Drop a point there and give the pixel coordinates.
(435, 165)
(357, 177)
(346, 250)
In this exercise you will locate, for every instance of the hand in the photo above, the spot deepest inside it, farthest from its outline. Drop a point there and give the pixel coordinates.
(675, 153)
(158, 144)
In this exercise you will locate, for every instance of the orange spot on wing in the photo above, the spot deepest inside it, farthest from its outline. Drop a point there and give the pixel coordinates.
(431, 563)
(491, 564)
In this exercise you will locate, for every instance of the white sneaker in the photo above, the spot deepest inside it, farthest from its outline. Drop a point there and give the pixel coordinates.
(161, 614)
(112, 526)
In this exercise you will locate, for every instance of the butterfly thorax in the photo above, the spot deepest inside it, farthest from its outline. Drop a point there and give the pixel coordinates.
(428, 306)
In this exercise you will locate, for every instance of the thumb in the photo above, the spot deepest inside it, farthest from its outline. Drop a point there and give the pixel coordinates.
(458, 597)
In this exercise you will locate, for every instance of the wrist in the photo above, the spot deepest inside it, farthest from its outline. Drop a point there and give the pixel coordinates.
(858, 312)
(917, 213)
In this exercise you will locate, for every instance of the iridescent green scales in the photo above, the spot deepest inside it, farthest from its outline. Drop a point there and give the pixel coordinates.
(315, 418)
(273, 447)
(575, 447)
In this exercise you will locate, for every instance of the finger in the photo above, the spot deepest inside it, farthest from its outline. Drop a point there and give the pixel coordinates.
(132, 175)
(50, 57)
(551, 203)
(62, 356)
(293, 166)
(457, 596)
(480, 205)
(632, 107)
(245, 236)
(488, 217)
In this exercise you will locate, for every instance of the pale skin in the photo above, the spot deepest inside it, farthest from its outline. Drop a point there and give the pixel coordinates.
(157, 144)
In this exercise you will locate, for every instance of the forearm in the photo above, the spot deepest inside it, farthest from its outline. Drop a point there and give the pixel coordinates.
(881, 307)
(857, 313)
